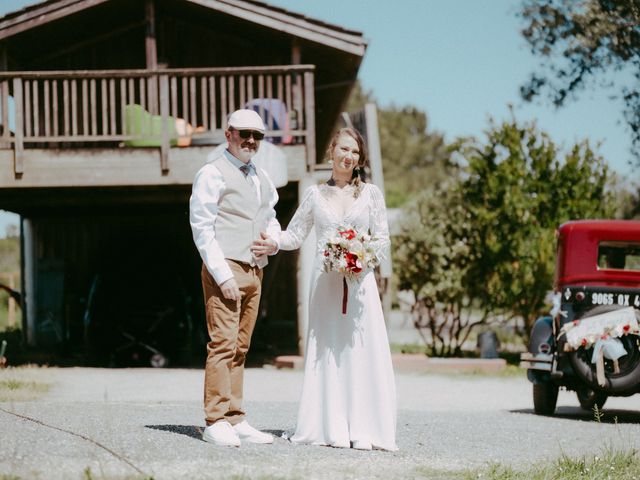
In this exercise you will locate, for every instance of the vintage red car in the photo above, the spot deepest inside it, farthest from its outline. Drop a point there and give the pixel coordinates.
(591, 341)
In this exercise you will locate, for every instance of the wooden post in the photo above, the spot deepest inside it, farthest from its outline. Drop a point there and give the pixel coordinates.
(293, 90)
(4, 103)
(310, 120)
(3, 58)
(151, 53)
(373, 144)
(18, 167)
(377, 178)
(164, 113)
(296, 55)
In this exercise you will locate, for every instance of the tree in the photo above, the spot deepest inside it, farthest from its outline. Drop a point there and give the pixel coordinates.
(9, 255)
(432, 260)
(12, 231)
(583, 41)
(518, 191)
(413, 158)
(627, 201)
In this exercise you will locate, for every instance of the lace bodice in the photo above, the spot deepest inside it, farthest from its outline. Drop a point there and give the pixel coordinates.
(367, 213)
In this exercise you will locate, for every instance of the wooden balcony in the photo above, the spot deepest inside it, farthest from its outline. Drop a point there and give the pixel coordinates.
(79, 110)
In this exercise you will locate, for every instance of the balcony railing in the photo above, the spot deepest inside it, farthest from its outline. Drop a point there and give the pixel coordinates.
(62, 109)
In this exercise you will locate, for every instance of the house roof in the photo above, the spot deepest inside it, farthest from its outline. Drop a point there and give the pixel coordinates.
(254, 11)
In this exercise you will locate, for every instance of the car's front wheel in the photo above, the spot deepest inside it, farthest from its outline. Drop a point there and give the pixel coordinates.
(589, 398)
(545, 397)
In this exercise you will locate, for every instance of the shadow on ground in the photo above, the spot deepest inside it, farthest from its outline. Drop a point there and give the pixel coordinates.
(187, 430)
(196, 432)
(607, 416)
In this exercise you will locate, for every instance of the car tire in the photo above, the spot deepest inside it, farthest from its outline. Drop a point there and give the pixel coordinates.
(545, 397)
(629, 377)
(589, 398)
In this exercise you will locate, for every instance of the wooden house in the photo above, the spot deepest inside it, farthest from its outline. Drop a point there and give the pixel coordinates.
(107, 110)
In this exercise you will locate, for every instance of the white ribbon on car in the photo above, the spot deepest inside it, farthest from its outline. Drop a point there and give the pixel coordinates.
(587, 331)
(611, 348)
(603, 332)
(557, 303)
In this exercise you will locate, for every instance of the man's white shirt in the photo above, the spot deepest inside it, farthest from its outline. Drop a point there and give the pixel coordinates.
(208, 187)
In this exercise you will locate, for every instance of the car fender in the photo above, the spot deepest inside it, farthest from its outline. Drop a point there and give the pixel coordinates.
(542, 340)
(541, 348)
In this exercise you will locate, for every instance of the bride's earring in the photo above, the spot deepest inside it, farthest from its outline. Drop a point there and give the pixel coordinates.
(330, 162)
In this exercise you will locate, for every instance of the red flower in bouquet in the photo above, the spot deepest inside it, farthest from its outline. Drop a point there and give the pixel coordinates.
(349, 234)
(348, 252)
(352, 262)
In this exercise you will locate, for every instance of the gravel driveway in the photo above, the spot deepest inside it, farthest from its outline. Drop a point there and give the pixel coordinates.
(147, 422)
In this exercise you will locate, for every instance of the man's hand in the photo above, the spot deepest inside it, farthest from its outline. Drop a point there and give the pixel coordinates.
(264, 246)
(230, 289)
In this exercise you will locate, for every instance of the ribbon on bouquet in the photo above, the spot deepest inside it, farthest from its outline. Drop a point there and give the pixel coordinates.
(345, 295)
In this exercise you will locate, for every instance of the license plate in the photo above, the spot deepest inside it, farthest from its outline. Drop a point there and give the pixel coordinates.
(621, 299)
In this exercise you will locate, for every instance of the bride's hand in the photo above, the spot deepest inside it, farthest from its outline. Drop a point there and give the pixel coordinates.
(264, 246)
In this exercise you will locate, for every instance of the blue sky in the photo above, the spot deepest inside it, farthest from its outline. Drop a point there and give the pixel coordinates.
(460, 61)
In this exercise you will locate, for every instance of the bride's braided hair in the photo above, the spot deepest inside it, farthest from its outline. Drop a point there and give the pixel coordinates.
(359, 175)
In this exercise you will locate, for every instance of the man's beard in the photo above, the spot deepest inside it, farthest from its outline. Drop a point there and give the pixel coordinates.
(252, 150)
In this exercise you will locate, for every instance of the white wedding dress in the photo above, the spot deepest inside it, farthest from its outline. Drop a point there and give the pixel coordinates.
(348, 393)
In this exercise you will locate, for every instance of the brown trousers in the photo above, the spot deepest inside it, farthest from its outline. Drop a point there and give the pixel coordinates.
(230, 326)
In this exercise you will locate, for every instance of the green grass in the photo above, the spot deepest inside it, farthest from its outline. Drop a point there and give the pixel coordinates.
(433, 474)
(512, 358)
(408, 348)
(89, 475)
(609, 465)
(16, 387)
(508, 371)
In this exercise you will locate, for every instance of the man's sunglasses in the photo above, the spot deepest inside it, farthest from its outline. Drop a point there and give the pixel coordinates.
(245, 134)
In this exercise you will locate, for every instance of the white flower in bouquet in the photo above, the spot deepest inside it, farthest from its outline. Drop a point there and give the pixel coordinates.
(349, 252)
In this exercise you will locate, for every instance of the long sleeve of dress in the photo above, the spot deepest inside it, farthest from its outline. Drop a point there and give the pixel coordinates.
(300, 225)
(272, 225)
(378, 225)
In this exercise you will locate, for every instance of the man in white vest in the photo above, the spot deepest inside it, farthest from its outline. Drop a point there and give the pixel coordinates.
(232, 204)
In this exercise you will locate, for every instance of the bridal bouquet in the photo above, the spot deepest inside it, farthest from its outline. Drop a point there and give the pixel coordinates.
(349, 252)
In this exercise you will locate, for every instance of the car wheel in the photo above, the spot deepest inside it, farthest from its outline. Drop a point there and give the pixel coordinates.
(545, 397)
(589, 398)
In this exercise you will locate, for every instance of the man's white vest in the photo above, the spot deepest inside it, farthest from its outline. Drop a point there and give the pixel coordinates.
(240, 216)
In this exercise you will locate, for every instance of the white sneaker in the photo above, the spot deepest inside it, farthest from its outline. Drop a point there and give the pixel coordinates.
(249, 434)
(221, 433)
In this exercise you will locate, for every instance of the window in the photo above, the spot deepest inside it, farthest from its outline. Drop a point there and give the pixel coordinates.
(619, 255)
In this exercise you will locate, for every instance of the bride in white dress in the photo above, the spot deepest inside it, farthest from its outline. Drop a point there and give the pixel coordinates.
(348, 394)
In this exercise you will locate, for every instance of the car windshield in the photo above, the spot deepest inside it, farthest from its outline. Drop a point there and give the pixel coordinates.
(619, 255)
